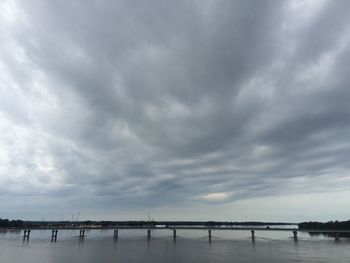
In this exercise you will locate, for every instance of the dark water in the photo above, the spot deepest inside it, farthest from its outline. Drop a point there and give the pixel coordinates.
(190, 246)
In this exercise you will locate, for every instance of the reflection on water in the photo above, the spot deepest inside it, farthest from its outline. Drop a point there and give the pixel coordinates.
(189, 246)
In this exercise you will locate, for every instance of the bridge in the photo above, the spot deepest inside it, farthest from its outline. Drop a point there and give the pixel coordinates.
(54, 231)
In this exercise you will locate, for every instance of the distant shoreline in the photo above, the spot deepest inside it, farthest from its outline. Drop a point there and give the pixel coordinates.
(21, 224)
(5, 223)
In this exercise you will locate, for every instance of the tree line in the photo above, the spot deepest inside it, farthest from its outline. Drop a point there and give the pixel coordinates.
(336, 225)
(6, 223)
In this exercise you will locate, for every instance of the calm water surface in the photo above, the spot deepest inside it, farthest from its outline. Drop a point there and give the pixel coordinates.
(190, 246)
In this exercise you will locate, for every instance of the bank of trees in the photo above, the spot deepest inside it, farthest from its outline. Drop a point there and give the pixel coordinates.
(6, 223)
(331, 225)
(336, 225)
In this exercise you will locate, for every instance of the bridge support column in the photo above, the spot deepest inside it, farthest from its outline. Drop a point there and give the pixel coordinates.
(82, 234)
(337, 236)
(253, 235)
(54, 235)
(149, 234)
(295, 235)
(174, 234)
(26, 235)
(115, 234)
(209, 235)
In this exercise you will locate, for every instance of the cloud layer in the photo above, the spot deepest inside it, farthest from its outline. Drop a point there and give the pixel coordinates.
(134, 106)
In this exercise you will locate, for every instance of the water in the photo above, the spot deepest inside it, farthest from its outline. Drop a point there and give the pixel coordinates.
(190, 246)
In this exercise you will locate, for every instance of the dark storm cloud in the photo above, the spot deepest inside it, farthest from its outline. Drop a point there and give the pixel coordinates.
(133, 103)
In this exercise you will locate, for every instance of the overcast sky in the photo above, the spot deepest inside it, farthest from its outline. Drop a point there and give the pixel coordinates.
(187, 109)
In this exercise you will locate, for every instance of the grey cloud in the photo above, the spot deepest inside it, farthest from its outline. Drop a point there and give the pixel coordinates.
(119, 104)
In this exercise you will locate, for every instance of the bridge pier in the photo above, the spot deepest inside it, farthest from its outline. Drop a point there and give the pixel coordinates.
(81, 234)
(295, 235)
(115, 234)
(54, 235)
(148, 234)
(337, 236)
(26, 234)
(253, 235)
(174, 234)
(209, 235)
